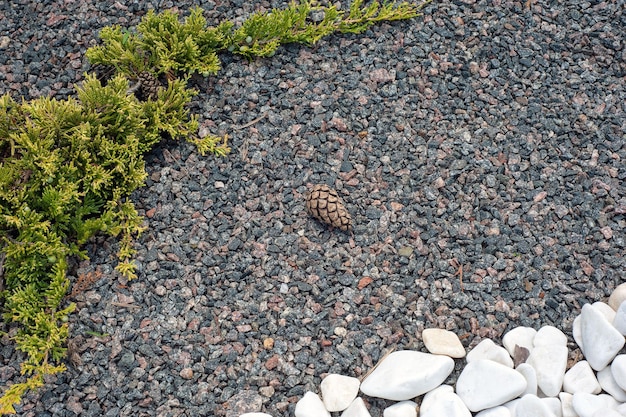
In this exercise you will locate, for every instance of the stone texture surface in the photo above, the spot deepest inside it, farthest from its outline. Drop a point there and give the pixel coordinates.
(485, 384)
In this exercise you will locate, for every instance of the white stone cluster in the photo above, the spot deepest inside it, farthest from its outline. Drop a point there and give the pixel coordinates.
(528, 377)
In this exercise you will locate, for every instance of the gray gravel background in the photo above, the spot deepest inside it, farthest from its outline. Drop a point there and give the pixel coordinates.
(487, 136)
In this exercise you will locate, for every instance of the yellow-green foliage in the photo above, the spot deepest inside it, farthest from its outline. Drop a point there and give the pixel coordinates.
(67, 168)
(66, 172)
(263, 33)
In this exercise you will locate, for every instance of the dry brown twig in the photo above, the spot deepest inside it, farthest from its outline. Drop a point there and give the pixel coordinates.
(84, 282)
(252, 122)
(382, 358)
(459, 271)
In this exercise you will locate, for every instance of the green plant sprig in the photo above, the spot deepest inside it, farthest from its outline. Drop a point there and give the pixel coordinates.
(262, 33)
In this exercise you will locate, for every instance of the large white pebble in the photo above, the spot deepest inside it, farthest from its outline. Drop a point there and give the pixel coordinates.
(310, 405)
(587, 404)
(532, 406)
(520, 336)
(443, 342)
(498, 411)
(567, 408)
(618, 369)
(338, 391)
(401, 409)
(608, 384)
(601, 341)
(528, 372)
(550, 362)
(549, 335)
(580, 378)
(406, 374)
(487, 349)
(605, 309)
(485, 384)
(442, 401)
(577, 332)
(618, 296)
(356, 409)
(619, 322)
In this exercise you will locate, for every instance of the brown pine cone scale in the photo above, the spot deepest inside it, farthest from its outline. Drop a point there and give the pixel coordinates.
(150, 85)
(323, 203)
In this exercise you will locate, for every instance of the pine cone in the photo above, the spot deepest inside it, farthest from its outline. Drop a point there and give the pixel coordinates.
(323, 203)
(149, 85)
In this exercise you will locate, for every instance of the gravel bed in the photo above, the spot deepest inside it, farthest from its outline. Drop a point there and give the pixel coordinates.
(483, 137)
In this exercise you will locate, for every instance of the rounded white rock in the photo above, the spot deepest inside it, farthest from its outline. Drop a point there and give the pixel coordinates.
(442, 401)
(581, 378)
(619, 321)
(549, 335)
(550, 362)
(310, 405)
(338, 391)
(618, 369)
(485, 384)
(586, 405)
(601, 341)
(487, 349)
(406, 374)
(577, 333)
(443, 342)
(532, 406)
(401, 409)
(528, 372)
(567, 408)
(618, 296)
(608, 384)
(605, 309)
(520, 336)
(356, 409)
